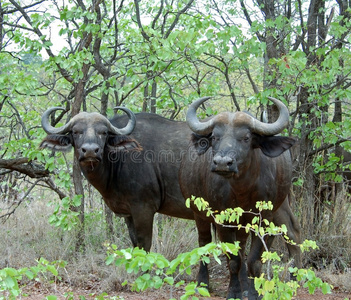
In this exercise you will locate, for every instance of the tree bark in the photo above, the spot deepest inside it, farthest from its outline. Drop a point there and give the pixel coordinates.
(107, 210)
(79, 190)
(24, 166)
(153, 97)
(146, 97)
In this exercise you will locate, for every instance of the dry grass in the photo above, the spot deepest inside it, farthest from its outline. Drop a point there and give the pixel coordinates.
(340, 282)
(27, 236)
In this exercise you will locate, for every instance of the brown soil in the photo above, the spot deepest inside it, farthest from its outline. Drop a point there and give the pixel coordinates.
(92, 289)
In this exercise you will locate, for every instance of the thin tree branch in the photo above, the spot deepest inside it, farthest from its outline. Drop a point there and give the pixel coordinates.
(7, 215)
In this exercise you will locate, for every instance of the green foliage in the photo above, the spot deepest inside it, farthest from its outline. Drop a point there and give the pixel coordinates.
(312, 281)
(270, 287)
(187, 53)
(64, 216)
(276, 288)
(10, 277)
(157, 270)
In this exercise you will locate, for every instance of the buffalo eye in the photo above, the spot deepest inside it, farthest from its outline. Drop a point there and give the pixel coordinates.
(246, 138)
(214, 138)
(104, 133)
(76, 132)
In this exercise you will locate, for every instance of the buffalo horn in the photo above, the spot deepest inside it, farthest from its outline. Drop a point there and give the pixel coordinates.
(45, 123)
(67, 127)
(130, 125)
(201, 128)
(276, 127)
(204, 128)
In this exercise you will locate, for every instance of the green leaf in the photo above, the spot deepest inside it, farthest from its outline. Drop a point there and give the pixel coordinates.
(30, 274)
(326, 288)
(110, 259)
(269, 286)
(52, 269)
(10, 282)
(11, 272)
(203, 292)
(169, 280)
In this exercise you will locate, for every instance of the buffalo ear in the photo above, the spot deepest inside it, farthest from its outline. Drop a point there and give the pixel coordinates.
(201, 142)
(123, 143)
(56, 142)
(273, 146)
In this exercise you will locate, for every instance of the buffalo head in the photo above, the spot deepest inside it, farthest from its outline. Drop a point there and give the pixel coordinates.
(90, 134)
(233, 136)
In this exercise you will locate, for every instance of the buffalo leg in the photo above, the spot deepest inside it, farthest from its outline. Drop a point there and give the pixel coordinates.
(144, 232)
(140, 228)
(284, 215)
(227, 235)
(131, 230)
(242, 236)
(254, 265)
(234, 288)
(204, 238)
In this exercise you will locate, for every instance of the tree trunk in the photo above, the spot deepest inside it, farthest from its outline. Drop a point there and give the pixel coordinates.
(153, 97)
(1, 25)
(78, 189)
(305, 194)
(77, 175)
(107, 210)
(343, 6)
(146, 97)
(310, 200)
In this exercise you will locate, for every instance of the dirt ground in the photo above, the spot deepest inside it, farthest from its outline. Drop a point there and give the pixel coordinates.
(92, 289)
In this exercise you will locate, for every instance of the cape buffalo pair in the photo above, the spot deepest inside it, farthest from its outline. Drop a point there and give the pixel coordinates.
(142, 164)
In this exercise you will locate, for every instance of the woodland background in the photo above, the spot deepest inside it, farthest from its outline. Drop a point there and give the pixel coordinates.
(159, 56)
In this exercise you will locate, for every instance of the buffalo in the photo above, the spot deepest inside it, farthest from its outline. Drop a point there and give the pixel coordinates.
(134, 167)
(234, 160)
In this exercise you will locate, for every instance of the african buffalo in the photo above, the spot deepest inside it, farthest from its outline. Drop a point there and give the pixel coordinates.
(235, 160)
(136, 174)
(134, 167)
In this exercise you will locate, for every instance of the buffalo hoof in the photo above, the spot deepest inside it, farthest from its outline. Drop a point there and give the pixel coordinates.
(203, 278)
(204, 282)
(234, 294)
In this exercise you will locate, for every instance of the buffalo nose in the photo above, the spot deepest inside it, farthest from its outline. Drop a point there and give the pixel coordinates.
(226, 164)
(223, 161)
(90, 150)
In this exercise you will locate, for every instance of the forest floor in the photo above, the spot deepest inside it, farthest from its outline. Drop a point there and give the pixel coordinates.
(26, 237)
(92, 290)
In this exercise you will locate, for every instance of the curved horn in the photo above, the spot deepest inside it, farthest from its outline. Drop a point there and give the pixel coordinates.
(130, 125)
(45, 123)
(276, 127)
(201, 128)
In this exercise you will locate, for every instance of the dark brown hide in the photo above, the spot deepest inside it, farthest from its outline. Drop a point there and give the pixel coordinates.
(239, 167)
(135, 174)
